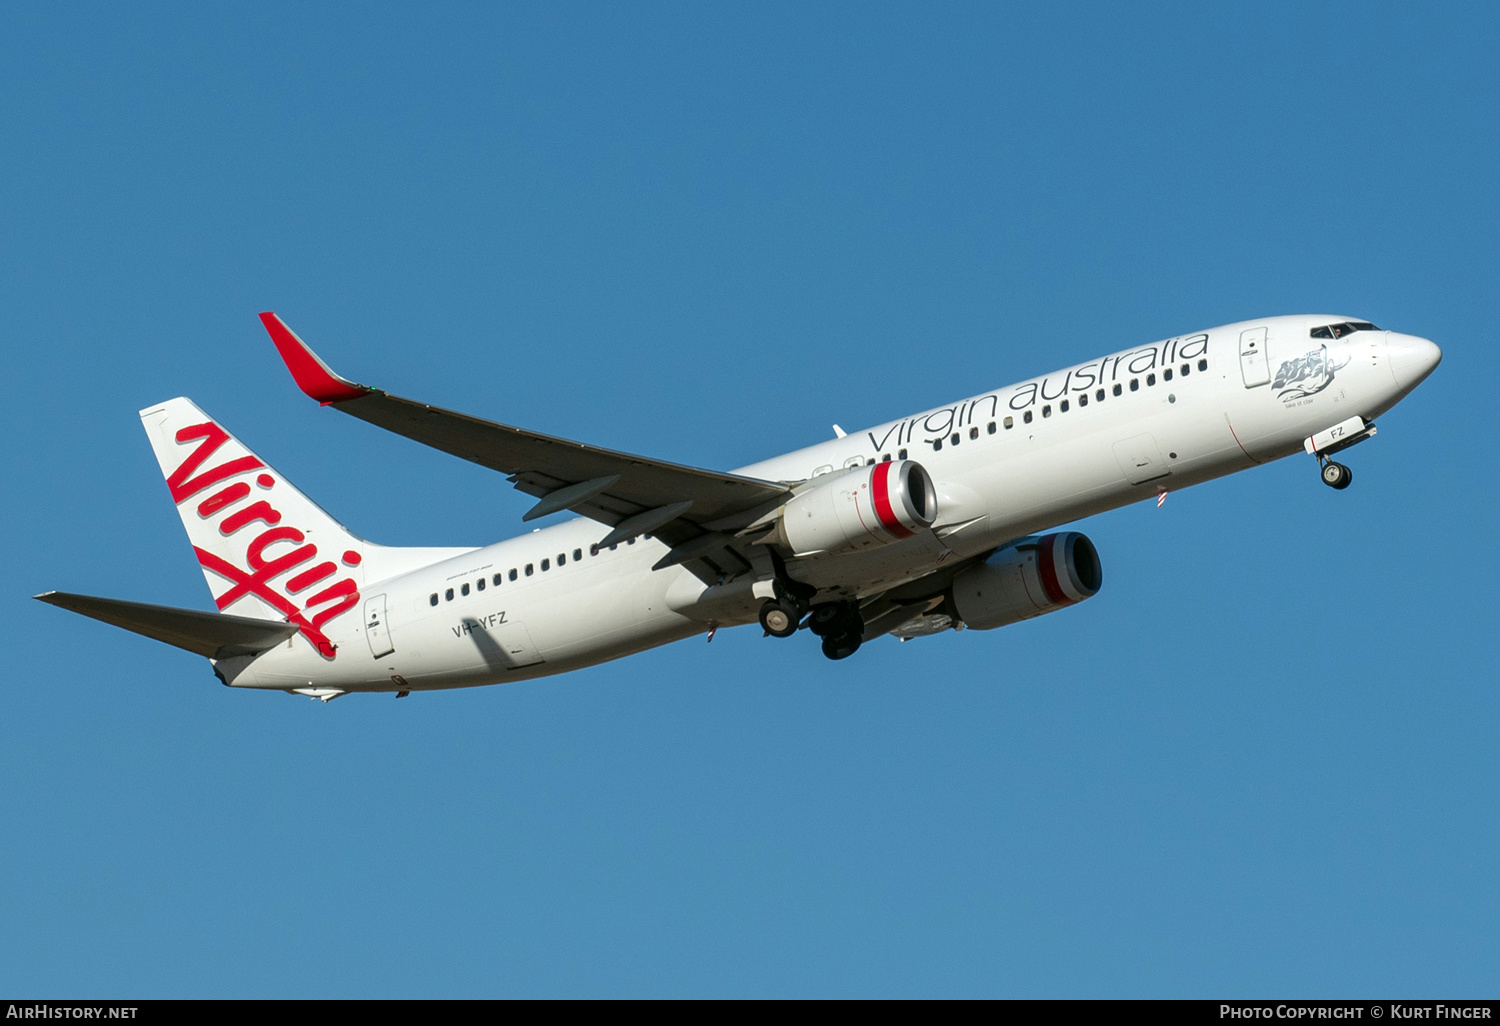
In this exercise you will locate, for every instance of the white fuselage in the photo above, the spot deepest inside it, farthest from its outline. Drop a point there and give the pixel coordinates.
(1007, 463)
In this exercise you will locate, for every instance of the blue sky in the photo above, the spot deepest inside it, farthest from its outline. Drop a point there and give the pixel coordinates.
(1261, 762)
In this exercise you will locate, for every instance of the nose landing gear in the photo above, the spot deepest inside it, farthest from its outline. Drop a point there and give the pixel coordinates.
(1336, 439)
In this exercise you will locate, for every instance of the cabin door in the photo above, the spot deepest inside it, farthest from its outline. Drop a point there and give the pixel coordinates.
(1254, 364)
(377, 632)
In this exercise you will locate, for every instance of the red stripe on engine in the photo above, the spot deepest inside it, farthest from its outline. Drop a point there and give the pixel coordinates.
(880, 492)
(1047, 567)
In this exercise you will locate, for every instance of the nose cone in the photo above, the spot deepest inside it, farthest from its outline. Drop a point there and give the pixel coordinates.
(1412, 359)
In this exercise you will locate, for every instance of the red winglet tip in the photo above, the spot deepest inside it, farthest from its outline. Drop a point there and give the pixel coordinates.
(311, 374)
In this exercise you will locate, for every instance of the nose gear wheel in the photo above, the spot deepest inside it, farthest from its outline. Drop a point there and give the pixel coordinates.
(1336, 475)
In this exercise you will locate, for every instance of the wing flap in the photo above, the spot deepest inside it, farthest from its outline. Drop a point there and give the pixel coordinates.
(213, 635)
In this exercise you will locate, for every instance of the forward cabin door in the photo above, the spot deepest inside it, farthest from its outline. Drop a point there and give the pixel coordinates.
(1254, 364)
(377, 633)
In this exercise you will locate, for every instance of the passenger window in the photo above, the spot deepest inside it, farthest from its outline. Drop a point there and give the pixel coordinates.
(1027, 417)
(937, 444)
(629, 541)
(1099, 396)
(616, 545)
(593, 550)
(901, 455)
(991, 428)
(1150, 379)
(1203, 365)
(1135, 384)
(562, 559)
(530, 569)
(1083, 400)
(1010, 422)
(479, 584)
(974, 432)
(1062, 407)
(433, 599)
(1047, 410)
(448, 595)
(498, 579)
(1185, 369)
(465, 589)
(577, 555)
(1118, 390)
(955, 438)
(1166, 375)
(546, 565)
(513, 573)
(886, 458)
(871, 462)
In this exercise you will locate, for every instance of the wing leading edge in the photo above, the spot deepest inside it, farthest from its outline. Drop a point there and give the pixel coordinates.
(632, 494)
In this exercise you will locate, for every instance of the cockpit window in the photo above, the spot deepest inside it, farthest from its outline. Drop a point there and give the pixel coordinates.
(1340, 330)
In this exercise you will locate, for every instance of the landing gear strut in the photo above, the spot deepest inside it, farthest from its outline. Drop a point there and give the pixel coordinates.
(782, 615)
(1336, 475)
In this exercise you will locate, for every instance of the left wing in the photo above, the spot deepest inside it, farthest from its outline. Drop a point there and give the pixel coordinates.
(684, 506)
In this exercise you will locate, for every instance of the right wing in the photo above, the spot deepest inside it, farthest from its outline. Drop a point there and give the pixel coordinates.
(693, 510)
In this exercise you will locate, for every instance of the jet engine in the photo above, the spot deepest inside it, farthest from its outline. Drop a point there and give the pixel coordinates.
(1027, 578)
(869, 506)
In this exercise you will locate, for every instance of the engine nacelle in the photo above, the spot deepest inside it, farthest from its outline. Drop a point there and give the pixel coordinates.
(874, 505)
(1027, 578)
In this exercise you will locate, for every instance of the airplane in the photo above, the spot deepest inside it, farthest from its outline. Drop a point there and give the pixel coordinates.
(934, 522)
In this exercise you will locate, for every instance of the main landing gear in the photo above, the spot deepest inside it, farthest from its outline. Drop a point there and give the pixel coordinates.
(1336, 475)
(840, 626)
(837, 623)
(782, 616)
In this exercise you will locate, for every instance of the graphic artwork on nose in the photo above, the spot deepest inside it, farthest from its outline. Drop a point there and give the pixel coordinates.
(1306, 375)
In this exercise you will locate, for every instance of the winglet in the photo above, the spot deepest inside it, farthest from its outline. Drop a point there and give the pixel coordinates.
(312, 375)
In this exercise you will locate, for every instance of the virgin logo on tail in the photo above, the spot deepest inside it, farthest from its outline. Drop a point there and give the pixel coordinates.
(260, 568)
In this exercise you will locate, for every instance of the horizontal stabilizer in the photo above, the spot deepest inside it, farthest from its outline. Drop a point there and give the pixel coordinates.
(215, 635)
